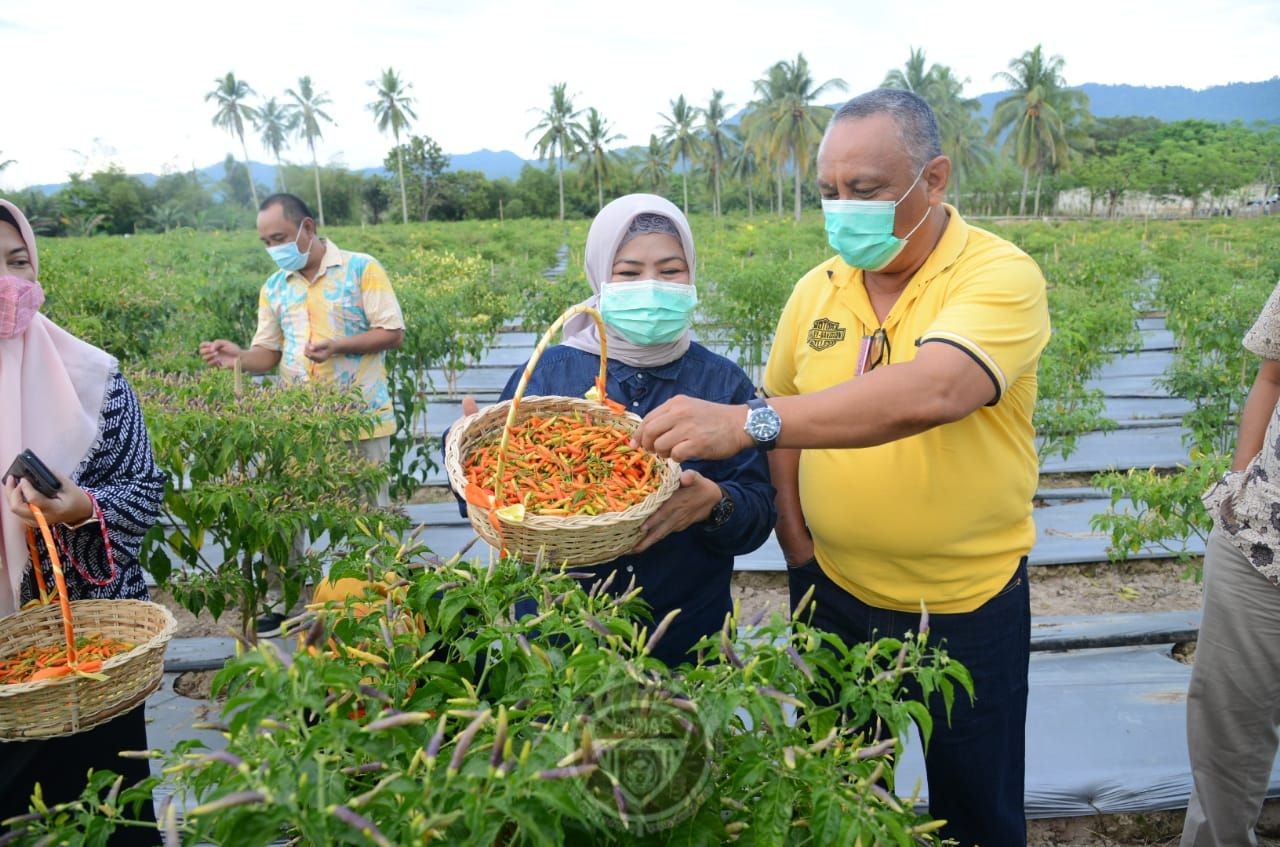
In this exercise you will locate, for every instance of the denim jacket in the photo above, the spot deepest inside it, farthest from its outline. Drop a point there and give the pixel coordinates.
(688, 570)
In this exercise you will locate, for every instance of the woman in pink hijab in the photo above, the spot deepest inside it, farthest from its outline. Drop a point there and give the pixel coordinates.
(67, 402)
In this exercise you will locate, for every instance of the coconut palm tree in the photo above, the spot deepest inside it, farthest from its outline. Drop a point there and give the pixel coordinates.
(308, 110)
(229, 94)
(959, 125)
(757, 130)
(912, 76)
(595, 137)
(653, 164)
(393, 110)
(680, 138)
(1036, 132)
(792, 124)
(4, 163)
(718, 142)
(746, 167)
(561, 133)
(275, 124)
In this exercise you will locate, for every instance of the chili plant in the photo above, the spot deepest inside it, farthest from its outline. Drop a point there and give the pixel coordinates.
(246, 474)
(456, 314)
(429, 711)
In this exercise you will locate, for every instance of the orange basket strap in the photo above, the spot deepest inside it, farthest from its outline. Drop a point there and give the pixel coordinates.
(541, 347)
(60, 580)
(35, 564)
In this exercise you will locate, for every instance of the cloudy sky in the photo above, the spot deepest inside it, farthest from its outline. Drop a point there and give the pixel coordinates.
(92, 82)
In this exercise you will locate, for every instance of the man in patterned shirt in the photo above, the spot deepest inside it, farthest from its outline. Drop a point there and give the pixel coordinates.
(326, 315)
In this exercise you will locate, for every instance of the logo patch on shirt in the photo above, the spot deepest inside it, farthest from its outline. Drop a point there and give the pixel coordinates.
(825, 333)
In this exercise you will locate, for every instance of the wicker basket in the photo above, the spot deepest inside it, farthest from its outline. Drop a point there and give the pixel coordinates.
(574, 539)
(72, 704)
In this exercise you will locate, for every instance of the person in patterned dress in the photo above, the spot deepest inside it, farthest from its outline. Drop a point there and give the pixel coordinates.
(1233, 704)
(67, 402)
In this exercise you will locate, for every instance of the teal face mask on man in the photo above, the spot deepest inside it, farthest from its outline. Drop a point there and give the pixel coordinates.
(288, 257)
(648, 311)
(861, 231)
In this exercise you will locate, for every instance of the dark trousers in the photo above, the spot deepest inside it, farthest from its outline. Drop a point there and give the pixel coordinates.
(60, 766)
(976, 763)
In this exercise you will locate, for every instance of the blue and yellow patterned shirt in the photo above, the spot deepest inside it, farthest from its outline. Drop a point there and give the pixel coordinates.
(352, 296)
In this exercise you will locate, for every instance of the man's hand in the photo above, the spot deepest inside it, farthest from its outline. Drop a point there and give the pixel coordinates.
(691, 503)
(684, 428)
(71, 506)
(797, 546)
(220, 353)
(469, 405)
(322, 351)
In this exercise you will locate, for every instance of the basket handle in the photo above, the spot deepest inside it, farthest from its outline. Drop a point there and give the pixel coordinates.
(543, 344)
(59, 579)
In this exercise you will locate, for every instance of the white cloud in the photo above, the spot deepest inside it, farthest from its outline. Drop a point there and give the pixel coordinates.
(126, 81)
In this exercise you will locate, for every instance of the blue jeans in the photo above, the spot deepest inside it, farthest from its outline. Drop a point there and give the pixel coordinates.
(976, 763)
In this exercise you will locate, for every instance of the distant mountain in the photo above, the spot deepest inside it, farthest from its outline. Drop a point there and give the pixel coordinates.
(1244, 101)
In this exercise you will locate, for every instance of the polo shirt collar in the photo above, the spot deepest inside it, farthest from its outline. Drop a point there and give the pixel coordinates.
(332, 259)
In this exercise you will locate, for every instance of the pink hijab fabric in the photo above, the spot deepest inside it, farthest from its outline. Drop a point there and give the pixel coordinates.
(52, 387)
(603, 240)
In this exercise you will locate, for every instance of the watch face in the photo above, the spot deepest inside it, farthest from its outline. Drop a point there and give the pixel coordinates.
(764, 424)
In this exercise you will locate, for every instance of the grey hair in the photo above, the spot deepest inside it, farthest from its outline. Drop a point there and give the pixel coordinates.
(916, 123)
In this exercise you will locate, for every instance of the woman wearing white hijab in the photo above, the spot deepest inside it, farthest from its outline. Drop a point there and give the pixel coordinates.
(67, 402)
(641, 264)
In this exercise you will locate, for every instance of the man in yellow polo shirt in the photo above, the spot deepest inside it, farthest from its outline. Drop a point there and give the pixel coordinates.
(901, 386)
(327, 314)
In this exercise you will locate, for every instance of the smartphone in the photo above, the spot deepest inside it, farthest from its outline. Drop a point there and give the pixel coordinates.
(29, 467)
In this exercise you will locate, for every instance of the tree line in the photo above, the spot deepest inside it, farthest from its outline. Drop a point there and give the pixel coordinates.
(1041, 140)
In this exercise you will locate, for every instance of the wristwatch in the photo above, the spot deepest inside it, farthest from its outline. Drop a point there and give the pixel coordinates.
(720, 512)
(763, 424)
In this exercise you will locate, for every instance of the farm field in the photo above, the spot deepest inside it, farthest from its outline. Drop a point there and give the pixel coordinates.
(1147, 318)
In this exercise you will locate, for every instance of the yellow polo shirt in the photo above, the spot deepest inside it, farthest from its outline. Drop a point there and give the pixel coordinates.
(943, 516)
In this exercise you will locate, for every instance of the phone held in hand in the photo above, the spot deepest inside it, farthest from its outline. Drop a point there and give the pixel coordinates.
(29, 467)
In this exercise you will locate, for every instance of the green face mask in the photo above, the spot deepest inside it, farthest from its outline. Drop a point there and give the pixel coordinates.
(861, 231)
(648, 311)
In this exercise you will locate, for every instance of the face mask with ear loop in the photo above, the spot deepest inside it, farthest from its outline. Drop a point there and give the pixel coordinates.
(287, 256)
(861, 231)
(20, 299)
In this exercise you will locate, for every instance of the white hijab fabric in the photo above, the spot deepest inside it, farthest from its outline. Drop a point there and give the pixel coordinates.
(52, 387)
(603, 241)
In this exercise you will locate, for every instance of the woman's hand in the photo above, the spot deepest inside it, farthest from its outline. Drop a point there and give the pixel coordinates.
(71, 506)
(691, 503)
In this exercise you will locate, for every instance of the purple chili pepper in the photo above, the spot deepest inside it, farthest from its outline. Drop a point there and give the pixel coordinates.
(567, 773)
(499, 738)
(660, 631)
(224, 757)
(464, 741)
(399, 719)
(366, 768)
(878, 749)
(437, 740)
(230, 801)
(799, 663)
(361, 823)
(373, 693)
